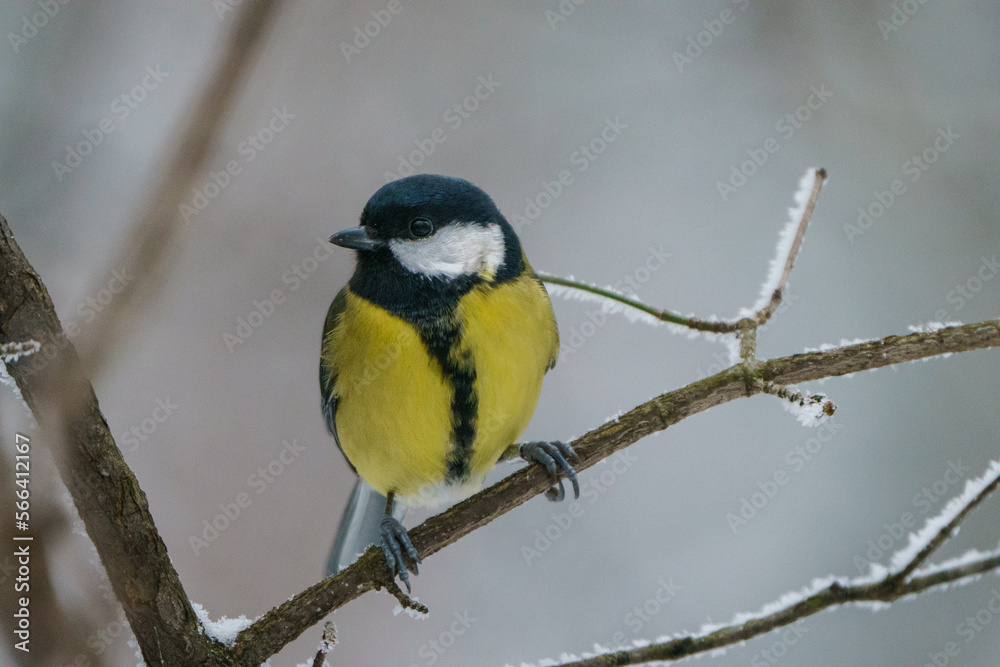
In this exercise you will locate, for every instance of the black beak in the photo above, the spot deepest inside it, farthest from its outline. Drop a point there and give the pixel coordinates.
(356, 238)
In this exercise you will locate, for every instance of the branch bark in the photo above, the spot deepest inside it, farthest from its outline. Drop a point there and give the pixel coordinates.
(104, 490)
(842, 591)
(831, 596)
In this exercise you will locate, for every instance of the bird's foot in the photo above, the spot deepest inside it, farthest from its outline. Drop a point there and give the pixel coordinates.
(554, 457)
(394, 540)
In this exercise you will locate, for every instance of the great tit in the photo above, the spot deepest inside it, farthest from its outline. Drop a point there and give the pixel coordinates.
(432, 359)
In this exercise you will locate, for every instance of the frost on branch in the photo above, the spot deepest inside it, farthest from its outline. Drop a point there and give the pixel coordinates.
(810, 410)
(608, 305)
(789, 241)
(920, 539)
(13, 351)
(225, 629)
(9, 353)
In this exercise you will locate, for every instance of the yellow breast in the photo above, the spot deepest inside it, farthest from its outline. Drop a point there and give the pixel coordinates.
(511, 334)
(394, 415)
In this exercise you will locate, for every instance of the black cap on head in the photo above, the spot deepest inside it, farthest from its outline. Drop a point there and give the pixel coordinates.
(440, 199)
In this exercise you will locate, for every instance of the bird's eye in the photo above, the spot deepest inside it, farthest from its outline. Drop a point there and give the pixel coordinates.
(421, 227)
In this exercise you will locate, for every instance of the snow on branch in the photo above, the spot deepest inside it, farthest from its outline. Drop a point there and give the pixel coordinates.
(939, 528)
(789, 243)
(826, 592)
(225, 629)
(739, 335)
(10, 352)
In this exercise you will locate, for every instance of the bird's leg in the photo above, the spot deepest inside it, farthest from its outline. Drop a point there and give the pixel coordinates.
(394, 541)
(553, 456)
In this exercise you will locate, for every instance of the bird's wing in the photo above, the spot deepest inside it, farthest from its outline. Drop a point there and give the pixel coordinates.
(553, 332)
(327, 372)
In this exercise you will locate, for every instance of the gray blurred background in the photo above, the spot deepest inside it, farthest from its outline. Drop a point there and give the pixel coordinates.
(892, 79)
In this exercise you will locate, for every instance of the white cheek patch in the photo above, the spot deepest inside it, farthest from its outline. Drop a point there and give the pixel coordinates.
(458, 249)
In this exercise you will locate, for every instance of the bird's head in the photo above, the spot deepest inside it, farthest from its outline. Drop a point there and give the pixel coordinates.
(435, 227)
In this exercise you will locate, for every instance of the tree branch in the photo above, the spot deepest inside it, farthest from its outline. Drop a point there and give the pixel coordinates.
(285, 622)
(945, 532)
(838, 592)
(104, 490)
(833, 595)
(149, 243)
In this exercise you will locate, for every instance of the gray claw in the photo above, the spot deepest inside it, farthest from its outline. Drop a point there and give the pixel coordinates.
(553, 457)
(394, 540)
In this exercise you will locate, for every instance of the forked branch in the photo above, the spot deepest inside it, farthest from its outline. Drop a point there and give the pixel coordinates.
(825, 594)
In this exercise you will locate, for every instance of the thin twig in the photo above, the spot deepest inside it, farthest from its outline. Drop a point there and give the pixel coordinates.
(660, 314)
(797, 397)
(765, 313)
(326, 644)
(405, 601)
(833, 595)
(946, 531)
(748, 340)
(725, 326)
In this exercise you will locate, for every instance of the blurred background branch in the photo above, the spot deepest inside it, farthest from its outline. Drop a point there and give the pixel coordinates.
(146, 249)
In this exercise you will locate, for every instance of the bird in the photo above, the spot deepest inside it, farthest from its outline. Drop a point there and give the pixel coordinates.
(432, 360)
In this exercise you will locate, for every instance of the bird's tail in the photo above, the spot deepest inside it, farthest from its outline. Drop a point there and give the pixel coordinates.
(359, 527)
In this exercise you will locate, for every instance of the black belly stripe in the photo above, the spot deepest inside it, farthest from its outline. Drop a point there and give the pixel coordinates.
(442, 337)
